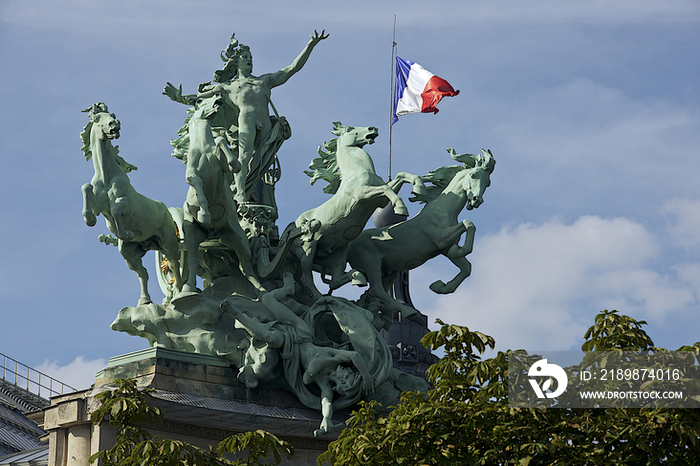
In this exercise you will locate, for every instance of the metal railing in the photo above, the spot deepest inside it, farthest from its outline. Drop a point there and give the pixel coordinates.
(31, 380)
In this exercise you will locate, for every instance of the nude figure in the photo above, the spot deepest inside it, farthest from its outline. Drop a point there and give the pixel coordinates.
(250, 97)
(331, 369)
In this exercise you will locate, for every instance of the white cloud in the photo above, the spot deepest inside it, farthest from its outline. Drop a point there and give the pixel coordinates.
(539, 286)
(79, 374)
(689, 275)
(684, 222)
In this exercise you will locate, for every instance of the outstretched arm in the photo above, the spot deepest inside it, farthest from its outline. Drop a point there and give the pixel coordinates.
(273, 302)
(327, 425)
(281, 77)
(175, 93)
(252, 325)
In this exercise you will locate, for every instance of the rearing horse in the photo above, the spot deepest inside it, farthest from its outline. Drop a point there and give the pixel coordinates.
(141, 224)
(381, 253)
(357, 191)
(210, 211)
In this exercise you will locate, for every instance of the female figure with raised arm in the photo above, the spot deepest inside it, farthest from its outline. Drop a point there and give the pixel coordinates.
(256, 134)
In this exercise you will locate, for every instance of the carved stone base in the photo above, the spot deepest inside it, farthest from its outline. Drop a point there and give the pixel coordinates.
(201, 399)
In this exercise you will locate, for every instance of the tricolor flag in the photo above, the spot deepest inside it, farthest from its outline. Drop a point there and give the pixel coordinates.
(417, 89)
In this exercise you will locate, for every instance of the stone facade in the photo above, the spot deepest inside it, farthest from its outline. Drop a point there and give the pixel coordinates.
(201, 399)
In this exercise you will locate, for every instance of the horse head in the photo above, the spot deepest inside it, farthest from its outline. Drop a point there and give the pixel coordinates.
(105, 122)
(356, 136)
(207, 107)
(477, 177)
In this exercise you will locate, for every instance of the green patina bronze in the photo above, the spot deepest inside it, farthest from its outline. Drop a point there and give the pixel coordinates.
(357, 192)
(259, 308)
(139, 223)
(255, 135)
(381, 253)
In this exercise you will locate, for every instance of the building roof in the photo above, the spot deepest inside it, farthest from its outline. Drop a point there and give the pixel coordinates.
(21, 390)
(17, 433)
(36, 457)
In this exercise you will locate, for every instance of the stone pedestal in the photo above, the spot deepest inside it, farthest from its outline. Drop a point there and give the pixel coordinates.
(201, 399)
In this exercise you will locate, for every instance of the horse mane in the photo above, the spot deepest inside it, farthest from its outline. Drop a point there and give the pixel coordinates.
(181, 145)
(325, 167)
(85, 137)
(94, 109)
(441, 177)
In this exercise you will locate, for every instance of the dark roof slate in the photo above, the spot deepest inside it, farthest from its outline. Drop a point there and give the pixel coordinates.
(17, 433)
(36, 457)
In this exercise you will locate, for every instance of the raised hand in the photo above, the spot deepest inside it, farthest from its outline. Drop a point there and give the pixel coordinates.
(316, 37)
(175, 93)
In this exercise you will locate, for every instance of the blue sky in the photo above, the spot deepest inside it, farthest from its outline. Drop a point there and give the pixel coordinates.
(591, 109)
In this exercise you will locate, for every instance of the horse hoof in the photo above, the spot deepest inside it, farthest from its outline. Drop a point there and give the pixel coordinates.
(358, 279)
(420, 190)
(90, 219)
(400, 210)
(439, 287)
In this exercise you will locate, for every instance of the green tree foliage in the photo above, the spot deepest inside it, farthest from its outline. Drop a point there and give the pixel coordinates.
(465, 419)
(127, 409)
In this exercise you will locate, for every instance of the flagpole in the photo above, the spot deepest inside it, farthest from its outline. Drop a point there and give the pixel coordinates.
(393, 91)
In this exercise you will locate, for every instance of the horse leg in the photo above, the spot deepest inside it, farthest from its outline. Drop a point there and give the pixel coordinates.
(448, 239)
(236, 239)
(88, 202)
(306, 263)
(194, 235)
(132, 254)
(404, 177)
(341, 278)
(460, 251)
(335, 264)
(119, 208)
(397, 183)
(200, 206)
(376, 298)
(465, 268)
(231, 160)
(396, 201)
(385, 190)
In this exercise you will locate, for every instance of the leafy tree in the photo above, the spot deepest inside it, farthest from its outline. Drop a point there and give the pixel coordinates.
(127, 409)
(465, 419)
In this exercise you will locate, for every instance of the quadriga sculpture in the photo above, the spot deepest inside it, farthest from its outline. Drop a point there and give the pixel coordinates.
(381, 253)
(210, 211)
(357, 191)
(140, 224)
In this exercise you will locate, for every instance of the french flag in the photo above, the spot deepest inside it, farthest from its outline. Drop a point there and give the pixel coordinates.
(417, 89)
